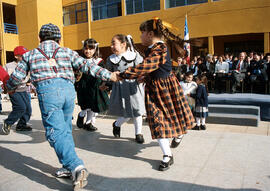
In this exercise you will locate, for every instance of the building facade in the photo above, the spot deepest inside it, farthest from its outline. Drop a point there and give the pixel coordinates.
(225, 26)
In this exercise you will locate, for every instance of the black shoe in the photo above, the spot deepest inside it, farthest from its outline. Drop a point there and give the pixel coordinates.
(23, 128)
(175, 144)
(89, 127)
(165, 165)
(6, 128)
(116, 130)
(203, 127)
(139, 139)
(80, 121)
(196, 128)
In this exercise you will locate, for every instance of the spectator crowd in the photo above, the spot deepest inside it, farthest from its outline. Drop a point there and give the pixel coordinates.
(244, 73)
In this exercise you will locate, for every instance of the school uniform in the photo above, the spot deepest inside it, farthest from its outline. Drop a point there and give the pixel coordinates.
(89, 95)
(127, 96)
(201, 102)
(168, 112)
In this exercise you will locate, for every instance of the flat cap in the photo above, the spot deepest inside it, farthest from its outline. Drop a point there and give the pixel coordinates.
(49, 31)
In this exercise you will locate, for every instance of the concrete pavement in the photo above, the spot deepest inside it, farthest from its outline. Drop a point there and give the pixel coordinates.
(220, 158)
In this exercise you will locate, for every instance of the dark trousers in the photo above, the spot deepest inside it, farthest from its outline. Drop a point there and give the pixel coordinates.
(221, 82)
(237, 78)
(21, 109)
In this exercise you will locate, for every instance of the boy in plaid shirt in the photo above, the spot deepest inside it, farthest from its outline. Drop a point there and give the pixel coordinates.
(51, 70)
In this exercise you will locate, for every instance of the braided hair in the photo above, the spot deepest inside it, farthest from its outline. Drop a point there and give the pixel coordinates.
(160, 31)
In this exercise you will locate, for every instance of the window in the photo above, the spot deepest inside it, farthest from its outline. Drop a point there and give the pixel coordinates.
(176, 3)
(102, 9)
(75, 14)
(138, 6)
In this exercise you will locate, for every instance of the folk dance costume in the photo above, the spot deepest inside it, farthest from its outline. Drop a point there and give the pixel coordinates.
(127, 96)
(168, 113)
(91, 99)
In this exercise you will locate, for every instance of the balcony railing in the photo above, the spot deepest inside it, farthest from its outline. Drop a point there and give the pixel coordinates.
(10, 28)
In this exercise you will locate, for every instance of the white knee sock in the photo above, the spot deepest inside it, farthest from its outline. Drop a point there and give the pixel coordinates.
(203, 121)
(94, 118)
(89, 116)
(121, 120)
(165, 147)
(138, 125)
(82, 113)
(198, 121)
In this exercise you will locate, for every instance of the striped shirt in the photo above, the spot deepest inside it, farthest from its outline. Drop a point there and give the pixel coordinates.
(66, 61)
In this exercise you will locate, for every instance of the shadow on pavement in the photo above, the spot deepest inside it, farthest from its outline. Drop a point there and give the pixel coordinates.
(26, 166)
(38, 171)
(37, 134)
(108, 145)
(148, 184)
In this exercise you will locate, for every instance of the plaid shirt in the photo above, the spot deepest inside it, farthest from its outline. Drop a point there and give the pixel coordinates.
(151, 63)
(67, 60)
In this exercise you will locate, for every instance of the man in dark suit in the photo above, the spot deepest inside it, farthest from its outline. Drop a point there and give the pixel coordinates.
(239, 71)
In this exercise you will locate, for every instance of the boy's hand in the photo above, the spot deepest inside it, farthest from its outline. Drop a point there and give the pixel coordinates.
(115, 76)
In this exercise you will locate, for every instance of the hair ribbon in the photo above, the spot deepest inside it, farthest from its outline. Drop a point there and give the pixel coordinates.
(164, 23)
(129, 38)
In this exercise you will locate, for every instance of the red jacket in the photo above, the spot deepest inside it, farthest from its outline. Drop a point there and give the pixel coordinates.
(3, 76)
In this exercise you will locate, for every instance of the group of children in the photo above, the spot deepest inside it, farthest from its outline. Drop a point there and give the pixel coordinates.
(167, 117)
(196, 93)
(127, 96)
(140, 82)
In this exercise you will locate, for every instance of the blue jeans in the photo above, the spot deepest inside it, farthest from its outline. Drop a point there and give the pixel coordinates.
(56, 101)
(21, 109)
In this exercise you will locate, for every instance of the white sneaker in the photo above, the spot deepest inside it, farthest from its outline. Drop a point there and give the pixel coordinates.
(79, 175)
(62, 173)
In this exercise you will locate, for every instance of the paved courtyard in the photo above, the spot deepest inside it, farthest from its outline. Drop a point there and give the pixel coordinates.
(220, 158)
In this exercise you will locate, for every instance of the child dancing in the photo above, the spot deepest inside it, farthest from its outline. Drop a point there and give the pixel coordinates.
(127, 97)
(168, 113)
(91, 98)
(51, 70)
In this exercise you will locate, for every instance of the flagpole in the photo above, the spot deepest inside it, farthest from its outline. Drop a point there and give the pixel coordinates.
(186, 37)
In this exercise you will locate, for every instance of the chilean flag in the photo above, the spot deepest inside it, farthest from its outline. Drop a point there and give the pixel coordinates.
(187, 45)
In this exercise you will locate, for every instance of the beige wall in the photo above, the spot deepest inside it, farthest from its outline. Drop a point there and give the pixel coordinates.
(26, 19)
(74, 35)
(227, 17)
(10, 40)
(50, 11)
(32, 14)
